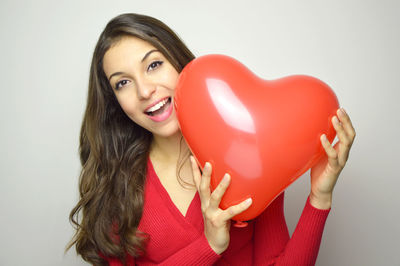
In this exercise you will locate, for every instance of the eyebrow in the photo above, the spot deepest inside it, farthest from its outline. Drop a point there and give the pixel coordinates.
(149, 53)
(144, 58)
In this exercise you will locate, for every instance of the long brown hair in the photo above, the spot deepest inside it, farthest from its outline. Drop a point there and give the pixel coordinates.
(114, 150)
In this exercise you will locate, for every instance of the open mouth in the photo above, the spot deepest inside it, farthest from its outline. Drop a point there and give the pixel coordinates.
(159, 108)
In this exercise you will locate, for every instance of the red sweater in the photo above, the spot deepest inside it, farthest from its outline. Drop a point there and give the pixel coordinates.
(175, 239)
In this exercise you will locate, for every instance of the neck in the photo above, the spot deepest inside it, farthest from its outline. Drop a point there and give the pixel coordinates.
(168, 149)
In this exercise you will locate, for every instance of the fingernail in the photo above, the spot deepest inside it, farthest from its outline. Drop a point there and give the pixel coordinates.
(207, 165)
(324, 138)
(343, 111)
(336, 120)
(248, 201)
(225, 180)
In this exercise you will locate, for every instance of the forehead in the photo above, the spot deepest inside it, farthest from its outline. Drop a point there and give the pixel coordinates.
(127, 49)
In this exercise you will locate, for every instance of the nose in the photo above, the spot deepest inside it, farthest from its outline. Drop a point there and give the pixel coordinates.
(145, 89)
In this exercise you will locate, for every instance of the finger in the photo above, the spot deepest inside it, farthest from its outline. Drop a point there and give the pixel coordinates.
(236, 209)
(345, 141)
(330, 151)
(196, 172)
(343, 138)
(219, 192)
(204, 188)
(343, 154)
(347, 124)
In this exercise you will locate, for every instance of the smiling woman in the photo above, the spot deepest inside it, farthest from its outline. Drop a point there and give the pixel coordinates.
(142, 201)
(114, 150)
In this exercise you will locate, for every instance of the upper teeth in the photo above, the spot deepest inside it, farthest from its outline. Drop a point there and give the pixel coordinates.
(157, 106)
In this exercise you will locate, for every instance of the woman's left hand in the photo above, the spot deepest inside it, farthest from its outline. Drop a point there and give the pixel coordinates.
(326, 172)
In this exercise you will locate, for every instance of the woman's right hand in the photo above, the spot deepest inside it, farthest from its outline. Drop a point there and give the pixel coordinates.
(217, 222)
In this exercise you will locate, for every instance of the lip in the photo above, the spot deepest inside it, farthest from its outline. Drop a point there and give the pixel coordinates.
(163, 116)
(151, 105)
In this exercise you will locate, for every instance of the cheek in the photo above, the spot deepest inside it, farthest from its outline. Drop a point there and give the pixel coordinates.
(171, 78)
(127, 104)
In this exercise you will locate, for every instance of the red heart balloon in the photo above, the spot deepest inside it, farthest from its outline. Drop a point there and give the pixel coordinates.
(264, 133)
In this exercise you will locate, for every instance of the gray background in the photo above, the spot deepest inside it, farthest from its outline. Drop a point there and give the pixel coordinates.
(46, 48)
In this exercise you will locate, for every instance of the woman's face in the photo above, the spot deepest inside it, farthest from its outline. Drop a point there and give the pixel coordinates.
(143, 81)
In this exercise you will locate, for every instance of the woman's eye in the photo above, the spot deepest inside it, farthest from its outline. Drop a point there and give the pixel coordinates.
(120, 84)
(154, 65)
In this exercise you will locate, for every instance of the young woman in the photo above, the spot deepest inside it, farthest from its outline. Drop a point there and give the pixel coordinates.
(142, 200)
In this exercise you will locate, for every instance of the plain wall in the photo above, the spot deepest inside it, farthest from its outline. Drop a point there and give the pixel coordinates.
(46, 48)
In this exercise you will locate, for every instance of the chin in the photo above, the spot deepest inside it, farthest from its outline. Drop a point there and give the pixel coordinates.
(169, 130)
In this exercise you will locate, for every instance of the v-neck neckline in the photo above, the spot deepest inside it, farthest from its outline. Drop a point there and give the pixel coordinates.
(194, 205)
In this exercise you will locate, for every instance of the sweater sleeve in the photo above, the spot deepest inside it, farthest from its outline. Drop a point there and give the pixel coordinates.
(272, 244)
